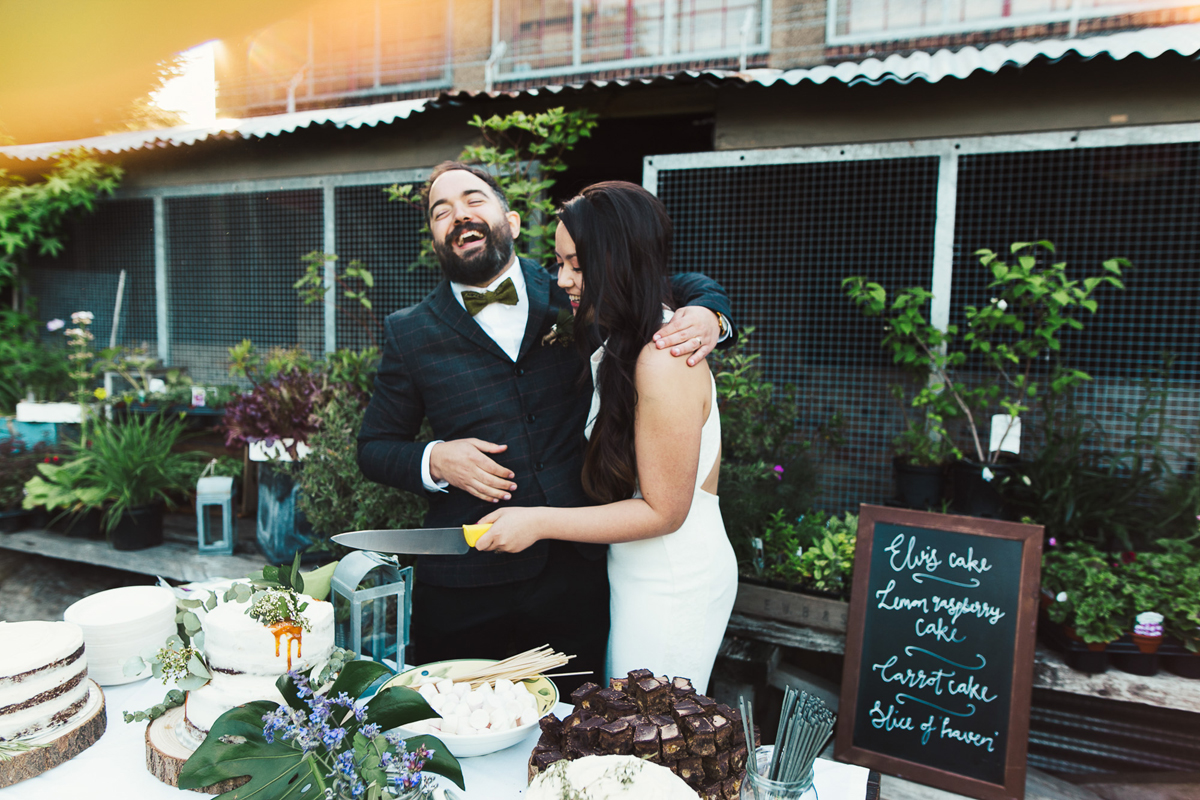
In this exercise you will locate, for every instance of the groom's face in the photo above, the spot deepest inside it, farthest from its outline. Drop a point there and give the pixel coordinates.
(472, 233)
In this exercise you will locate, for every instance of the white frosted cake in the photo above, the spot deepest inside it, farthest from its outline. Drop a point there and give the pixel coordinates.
(608, 778)
(43, 676)
(246, 658)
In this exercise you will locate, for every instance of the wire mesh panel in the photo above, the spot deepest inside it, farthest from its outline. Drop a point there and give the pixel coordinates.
(781, 239)
(386, 236)
(84, 276)
(232, 262)
(1140, 202)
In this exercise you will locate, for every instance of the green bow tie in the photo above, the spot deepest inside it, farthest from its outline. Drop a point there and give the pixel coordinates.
(505, 293)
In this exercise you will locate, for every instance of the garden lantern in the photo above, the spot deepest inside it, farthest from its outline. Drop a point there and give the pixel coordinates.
(372, 605)
(215, 531)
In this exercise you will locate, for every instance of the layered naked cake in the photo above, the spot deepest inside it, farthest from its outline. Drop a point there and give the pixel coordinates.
(43, 676)
(608, 778)
(247, 655)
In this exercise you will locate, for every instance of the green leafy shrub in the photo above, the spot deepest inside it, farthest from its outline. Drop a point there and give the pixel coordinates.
(814, 552)
(765, 465)
(525, 152)
(1035, 302)
(333, 493)
(120, 466)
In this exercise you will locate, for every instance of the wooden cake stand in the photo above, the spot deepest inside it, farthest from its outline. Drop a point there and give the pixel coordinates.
(166, 754)
(61, 744)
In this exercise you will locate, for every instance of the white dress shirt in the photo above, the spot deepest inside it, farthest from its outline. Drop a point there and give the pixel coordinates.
(506, 327)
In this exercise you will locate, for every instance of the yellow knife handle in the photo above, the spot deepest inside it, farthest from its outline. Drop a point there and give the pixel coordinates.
(472, 533)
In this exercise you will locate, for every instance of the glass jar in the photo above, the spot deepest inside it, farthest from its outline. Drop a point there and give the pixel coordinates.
(755, 786)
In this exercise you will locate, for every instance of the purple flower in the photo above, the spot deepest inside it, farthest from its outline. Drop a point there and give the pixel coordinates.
(778, 470)
(1053, 541)
(370, 730)
(54, 325)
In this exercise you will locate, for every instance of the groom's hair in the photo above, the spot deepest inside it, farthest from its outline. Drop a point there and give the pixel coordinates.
(476, 170)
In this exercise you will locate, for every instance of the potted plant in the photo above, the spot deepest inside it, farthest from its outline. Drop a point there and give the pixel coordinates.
(801, 570)
(1087, 601)
(920, 453)
(64, 496)
(18, 464)
(333, 496)
(1034, 303)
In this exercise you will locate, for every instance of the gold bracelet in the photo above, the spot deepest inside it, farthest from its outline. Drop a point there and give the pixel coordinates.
(722, 325)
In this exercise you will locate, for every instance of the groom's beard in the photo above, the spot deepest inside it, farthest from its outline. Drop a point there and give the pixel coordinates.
(478, 268)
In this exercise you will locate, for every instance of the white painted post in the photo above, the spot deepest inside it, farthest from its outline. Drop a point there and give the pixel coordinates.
(329, 247)
(160, 281)
(943, 239)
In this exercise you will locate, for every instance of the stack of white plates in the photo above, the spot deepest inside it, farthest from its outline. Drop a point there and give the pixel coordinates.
(119, 624)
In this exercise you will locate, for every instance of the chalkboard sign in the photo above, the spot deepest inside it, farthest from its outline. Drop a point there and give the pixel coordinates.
(939, 650)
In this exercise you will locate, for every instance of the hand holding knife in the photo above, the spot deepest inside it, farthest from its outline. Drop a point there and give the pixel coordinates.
(415, 541)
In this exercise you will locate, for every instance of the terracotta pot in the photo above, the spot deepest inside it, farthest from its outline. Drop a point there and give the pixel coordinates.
(1097, 647)
(1147, 644)
(1071, 634)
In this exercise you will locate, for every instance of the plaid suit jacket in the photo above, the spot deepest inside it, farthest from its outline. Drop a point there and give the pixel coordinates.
(438, 362)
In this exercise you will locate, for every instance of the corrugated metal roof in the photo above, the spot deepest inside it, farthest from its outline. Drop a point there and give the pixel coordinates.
(931, 67)
(251, 128)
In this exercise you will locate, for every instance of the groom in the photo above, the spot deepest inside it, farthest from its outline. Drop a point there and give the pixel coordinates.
(508, 413)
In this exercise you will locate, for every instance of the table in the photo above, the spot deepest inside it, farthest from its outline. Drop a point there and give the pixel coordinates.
(114, 768)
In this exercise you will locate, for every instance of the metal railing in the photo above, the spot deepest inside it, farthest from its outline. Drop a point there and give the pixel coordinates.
(868, 21)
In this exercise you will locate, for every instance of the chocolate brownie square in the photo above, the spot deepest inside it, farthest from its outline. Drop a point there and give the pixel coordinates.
(701, 739)
(543, 758)
(737, 758)
(583, 736)
(711, 791)
(691, 770)
(732, 787)
(723, 732)
(637, 675)
(582, 693)
(706, 703)
(652, 696)
(615, 738)
(684, 709)
(645, 740)
(716, 768)
(619, 684)
(620, 708)
(672, 743)
(681, 688)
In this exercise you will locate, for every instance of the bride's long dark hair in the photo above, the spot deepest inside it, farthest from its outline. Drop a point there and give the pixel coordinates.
(623, 241)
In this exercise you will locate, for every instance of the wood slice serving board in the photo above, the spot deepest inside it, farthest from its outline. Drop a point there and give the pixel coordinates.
(166, 754)
(61, 744)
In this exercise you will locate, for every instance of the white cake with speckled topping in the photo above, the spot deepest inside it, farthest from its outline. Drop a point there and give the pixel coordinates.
(247, 657)
(608, 778)
(43, 676)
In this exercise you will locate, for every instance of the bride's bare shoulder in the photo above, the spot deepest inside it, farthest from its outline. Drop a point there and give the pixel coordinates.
(658, 368)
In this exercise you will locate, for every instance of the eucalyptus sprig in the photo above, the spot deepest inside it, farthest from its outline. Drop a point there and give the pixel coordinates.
(276, 606)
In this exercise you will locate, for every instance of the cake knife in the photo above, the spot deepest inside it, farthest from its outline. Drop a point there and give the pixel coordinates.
(415, 541)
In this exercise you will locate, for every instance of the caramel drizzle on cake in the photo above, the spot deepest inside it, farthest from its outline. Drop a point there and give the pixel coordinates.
(294, 633)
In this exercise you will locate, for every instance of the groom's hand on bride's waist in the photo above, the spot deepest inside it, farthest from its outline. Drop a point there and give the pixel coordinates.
(465, 464)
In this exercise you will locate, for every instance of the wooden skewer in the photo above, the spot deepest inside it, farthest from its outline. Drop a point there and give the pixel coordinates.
(520, 667)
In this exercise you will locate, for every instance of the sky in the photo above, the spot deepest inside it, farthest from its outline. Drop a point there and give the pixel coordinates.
(194, 93)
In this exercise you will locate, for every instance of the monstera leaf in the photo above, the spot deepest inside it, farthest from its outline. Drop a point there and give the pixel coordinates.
(279, 770)
(235, 747)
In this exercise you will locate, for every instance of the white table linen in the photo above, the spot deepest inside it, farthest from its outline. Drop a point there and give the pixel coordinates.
(114, 768)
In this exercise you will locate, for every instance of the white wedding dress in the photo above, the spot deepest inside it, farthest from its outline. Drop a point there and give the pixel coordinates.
(671, 595)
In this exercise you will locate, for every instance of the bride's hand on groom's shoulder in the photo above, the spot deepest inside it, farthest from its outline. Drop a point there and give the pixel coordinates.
(513, 529)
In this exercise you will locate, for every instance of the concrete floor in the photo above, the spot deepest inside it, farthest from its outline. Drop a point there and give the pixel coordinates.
(34, 587)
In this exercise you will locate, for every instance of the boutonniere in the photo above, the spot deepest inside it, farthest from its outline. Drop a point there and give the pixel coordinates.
(563, 331)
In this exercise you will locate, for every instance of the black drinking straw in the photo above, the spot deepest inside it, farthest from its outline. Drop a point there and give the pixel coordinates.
(805, 724)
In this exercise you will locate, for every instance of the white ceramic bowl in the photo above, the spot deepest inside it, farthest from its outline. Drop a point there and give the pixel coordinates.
(121, 623)
(543, 689)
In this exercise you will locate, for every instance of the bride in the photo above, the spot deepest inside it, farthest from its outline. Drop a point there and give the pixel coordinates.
(653, 451)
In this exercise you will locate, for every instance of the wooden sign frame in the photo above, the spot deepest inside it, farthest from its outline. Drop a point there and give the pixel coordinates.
(1021, 685)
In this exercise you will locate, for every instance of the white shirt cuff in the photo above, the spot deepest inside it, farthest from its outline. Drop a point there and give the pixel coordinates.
(430, 484)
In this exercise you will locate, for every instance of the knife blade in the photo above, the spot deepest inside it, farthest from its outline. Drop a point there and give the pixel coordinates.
(415, 541)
